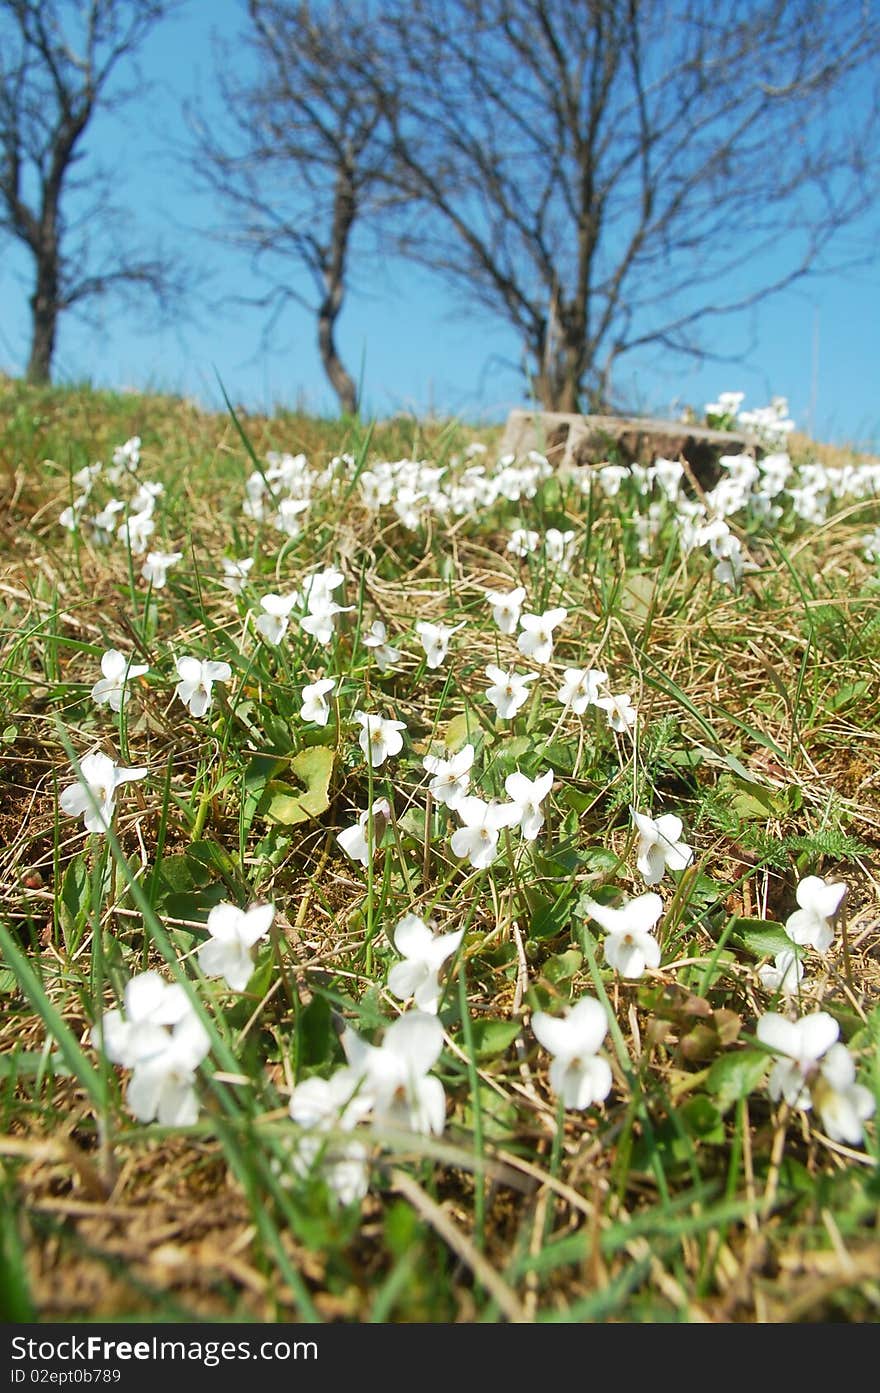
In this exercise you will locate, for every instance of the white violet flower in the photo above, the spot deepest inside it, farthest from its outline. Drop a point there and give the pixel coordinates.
(630, 946)
(451, 777)
(527, 796)
(477, 839)
(233, 933)
(157, 564)
(395, 1074)
(435, 640)
(315, 706)
(355, 840)
(578, 1073)
(93, 796)
(659, 846)
(810, 926)
(379, 737)
(197, 678)
(507, 607)
(118, 672)
(509, 690)
(536, 639)
(423, 953)
(580, 688)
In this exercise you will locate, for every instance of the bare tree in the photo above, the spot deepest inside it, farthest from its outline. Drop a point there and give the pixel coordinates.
(610, 174)
(298, 163)
(57, 60)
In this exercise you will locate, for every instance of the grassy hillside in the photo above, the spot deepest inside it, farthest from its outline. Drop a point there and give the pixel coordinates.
(546, 986)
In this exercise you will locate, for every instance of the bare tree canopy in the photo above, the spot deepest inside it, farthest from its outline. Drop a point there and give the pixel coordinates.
(56, 64)
(606, 174)
(300, 159)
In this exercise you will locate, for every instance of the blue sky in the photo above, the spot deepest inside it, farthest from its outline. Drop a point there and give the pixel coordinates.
(408, 339)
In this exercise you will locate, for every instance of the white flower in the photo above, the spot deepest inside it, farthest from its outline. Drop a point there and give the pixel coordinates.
(619, 709)
(527, 796)
(385, 655)
(136, 531)
(395, 1074)
(128, 456)
(320, 621)
(274, 622)
(536, 639)
(197, 677)
(118, 672)
(610, 477)
(355, 840)
(659, 847)
(507, 607)
(522, 541)
(287, 517)
(139, 1032)
(318, 588)
(451, 777)
(630, 946)
(477, 839)
(325, 1105)
(233, 933)
(155, 568)
(423, 953)
(559, 547)
(435, 640)
(802, 1043)
(842, 1104)
(580, 688)
(163, 1088)
(144, 500)
(379, 737)
(810, 926)
(578, 1073)
(315, 707)
(103, 523)
(235, 573)
(785, 975)
(70, 516)
(162, 1041)
(509, 690)
(93, 795)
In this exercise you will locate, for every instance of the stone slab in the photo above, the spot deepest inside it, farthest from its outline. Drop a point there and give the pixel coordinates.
(568, 439)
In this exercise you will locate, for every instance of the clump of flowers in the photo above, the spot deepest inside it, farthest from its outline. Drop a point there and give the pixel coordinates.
(816, 1070)
(160, 1038)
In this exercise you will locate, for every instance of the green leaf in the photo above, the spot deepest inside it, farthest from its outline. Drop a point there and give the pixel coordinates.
(562, 966)
(315, 1032)
(75, 896)
(289, 806)
(735, 1076)
(763, 937)
(702, 1119)
(848, 695)
(24, 1064)
(459, 732)
(492, 1037)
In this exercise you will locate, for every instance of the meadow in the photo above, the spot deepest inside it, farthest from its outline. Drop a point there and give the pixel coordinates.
(433, 887)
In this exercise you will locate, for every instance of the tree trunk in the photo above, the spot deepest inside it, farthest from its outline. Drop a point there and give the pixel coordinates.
(342, 382)
(44, 321)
